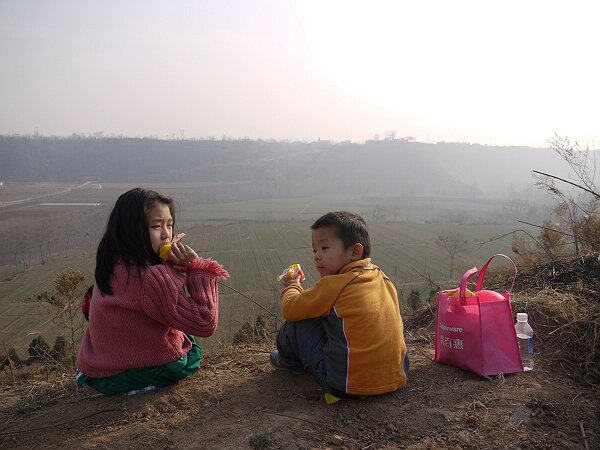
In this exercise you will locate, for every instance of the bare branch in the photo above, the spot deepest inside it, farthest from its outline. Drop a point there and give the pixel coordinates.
(569, 182)
(556, 231)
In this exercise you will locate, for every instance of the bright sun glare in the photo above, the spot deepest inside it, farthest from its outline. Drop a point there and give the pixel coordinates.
(507, 73)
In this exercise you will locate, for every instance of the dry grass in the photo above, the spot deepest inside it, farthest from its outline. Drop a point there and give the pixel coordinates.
(33, 389)
(567, 330)
(562, 299)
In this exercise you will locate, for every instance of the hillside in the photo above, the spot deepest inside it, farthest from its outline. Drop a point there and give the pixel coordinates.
(237, 400)
(268, 169)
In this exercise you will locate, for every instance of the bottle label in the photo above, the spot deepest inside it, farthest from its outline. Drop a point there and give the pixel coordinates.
(530, 345)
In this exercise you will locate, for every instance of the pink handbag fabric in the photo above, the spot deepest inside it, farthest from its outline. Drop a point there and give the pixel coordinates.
(477, 333)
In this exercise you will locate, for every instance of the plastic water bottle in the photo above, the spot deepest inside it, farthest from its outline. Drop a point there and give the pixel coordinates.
(525, 339)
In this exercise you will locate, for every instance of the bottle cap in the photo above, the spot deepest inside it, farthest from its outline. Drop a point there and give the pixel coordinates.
(522, 317)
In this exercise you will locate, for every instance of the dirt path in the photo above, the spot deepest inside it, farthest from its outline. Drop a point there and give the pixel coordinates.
(237, 400)
(25, 201)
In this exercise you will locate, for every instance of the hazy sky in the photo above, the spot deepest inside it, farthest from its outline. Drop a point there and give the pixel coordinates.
(493, 72)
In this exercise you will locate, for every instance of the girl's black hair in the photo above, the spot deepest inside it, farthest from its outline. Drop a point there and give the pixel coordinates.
(126, 237)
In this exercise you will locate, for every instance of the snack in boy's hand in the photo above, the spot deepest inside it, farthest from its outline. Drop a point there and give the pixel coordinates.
(165, 249)
(292, 272)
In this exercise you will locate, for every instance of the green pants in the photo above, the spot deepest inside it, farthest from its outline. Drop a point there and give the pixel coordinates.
(139, 378)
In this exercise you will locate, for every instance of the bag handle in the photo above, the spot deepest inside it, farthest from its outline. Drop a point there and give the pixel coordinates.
(479, 283)
(462, 290)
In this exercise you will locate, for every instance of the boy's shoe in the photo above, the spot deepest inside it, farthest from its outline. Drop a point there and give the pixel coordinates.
(278, 364)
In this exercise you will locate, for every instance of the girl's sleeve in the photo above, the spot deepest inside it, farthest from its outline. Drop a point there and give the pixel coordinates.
(188, 303)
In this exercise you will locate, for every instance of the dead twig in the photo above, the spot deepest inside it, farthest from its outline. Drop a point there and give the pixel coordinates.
(585, 442)
(10, 363)
(57, 425)
(317, 424)
(557, 231)
(583, 188)
(253, 301)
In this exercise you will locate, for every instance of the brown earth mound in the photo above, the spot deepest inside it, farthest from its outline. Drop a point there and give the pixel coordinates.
(237, 400)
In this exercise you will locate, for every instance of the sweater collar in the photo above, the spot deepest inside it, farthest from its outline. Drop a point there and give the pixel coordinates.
(364, 263)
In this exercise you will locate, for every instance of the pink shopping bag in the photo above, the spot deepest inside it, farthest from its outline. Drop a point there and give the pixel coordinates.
(477, 333)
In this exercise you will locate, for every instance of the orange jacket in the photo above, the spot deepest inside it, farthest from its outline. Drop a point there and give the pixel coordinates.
(365, 353)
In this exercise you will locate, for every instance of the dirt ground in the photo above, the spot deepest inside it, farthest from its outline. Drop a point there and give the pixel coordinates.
(237, 400)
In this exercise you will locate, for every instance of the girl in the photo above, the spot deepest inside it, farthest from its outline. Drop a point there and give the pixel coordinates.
(143, 313)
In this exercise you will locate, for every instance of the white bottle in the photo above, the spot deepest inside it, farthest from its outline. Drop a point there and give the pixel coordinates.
(525, 339)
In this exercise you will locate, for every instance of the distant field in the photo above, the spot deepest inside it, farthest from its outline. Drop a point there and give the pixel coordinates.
(21, 318)
(392, 207)
(254, 254)
(254, 240)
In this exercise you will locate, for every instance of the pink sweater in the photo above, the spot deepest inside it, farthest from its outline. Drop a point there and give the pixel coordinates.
(145, 321)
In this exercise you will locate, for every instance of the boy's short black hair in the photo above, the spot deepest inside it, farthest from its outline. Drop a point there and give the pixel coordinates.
(349, 227)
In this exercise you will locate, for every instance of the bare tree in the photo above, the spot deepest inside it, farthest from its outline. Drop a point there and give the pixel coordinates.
(68, 290)
(379, 214)
(581, 160)
(514, 208)
(577, 210)
(67, 240)
(452, 244)
(19, 243)
(390, 135)
(49, 239)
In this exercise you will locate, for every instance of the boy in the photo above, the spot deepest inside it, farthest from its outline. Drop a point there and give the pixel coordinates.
(346, 330)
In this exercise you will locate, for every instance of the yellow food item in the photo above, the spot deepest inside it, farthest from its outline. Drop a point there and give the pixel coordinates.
(293, 271)
(166, 248)
(164, 252)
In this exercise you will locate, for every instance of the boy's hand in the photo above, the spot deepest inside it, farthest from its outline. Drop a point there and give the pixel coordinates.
(287, 281)
(292, 275)
(298, 280)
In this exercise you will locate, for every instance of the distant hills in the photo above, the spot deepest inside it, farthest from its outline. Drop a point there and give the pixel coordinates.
(387, 167)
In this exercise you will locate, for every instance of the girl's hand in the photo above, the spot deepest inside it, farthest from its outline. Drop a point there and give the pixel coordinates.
(181, 254)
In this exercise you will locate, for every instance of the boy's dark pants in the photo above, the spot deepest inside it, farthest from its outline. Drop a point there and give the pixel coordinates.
(300, 346)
